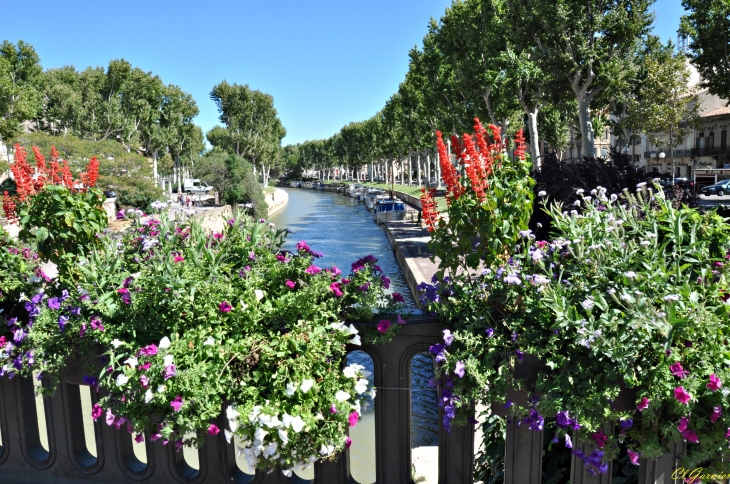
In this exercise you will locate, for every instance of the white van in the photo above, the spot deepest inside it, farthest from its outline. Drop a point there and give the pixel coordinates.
(191, 186)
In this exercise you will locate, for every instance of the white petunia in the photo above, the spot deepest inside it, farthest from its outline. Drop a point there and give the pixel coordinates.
(339, 326)
(541, 193)
(131, 361)
(168, 360)
(355, 340)
(260, 433)
(372, 393)
(361, 386)
(228, 434)
(297, 424)
(254, 414)
(286, 472)
(306, 385)
(270, 449)
(350, 372)
(630, 274)
(319, 417)
(327, 449)
(117, 343)
(351, 329)
(209, 342)
(290, 389)
(286, 420)
(164, 343)
(259, 294)
(233, 425)
(148, 396)
(374, 310)
(231, 413)
(284, 436)
(122, 379)
(270, 421)
(342, 396)
(161, 389)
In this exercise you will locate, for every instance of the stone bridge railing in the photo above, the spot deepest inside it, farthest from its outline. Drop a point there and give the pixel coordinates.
(66, 459)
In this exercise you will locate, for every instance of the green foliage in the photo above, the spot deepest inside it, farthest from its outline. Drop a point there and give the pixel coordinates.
(133, 191)
(208, 321)
(19, 270)
(20, 83)
(8, 185)
(65, 225)
(234, 179)
(252, 126)
(708, 26)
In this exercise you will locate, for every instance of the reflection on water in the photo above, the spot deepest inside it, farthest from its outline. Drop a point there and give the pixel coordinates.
(362, 450)
(342, 229)
(424, 421)
(424, 402)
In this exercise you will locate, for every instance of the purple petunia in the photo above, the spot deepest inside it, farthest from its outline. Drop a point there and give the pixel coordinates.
(460, 369)
(62, 320)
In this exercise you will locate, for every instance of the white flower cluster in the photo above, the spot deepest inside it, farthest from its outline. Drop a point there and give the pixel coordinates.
(349, 330)
(265, 433)
(157, 205)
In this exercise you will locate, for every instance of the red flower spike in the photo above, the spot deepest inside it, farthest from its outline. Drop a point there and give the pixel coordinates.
(9, 208)
(520, 144)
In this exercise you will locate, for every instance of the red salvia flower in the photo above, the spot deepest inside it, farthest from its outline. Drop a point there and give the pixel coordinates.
(520, 144)
(67, 179)
(448, 171)
(428, 208)
(9, 208)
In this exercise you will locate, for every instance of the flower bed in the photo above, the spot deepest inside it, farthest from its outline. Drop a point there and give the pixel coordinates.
(178, 325)
(627, 298)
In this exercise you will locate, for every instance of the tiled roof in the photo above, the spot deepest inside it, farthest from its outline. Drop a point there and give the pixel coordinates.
(722, 111)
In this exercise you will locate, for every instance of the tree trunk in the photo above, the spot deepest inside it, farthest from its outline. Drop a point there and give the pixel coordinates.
(586, 126)
(410, 169)
(534, 139)
(418, 164)
(428, 167)
(178, 174)
(154, 165)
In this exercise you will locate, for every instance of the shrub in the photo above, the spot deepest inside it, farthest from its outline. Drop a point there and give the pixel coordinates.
(233, 177)
(183, 325)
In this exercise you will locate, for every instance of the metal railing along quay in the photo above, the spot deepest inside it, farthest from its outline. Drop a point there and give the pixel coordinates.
(66, 458)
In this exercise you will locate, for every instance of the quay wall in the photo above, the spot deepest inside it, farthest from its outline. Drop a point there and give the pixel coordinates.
(281, 198)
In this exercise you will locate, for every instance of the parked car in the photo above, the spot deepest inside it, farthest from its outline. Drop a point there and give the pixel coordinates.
(719, 188)
(109, 193)
(194, 186)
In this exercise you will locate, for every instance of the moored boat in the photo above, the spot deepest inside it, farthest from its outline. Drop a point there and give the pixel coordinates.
(389, 209)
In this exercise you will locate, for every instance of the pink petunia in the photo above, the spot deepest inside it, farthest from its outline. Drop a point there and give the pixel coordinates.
(225, 307)
(336, 289)
(677, 370)
(643, 404)
(139, 438)
(691, 436)
(313, 270)
(149, 350)
(179, 258)
(144, 367)
(177, 403)
(333, 409)
(155, 437)
(681, 395)
(144, 379)
(715, 383)
(683, 422)
(348, 442)
(170, 371)
(633, 457)
(401, 320)
(213, 429)
(600, 439)
(96, 411)
(716, 414)
(384, 325)
(353, 418)
(109, 417)
(290, 284)
(82, 332)
(178, 445)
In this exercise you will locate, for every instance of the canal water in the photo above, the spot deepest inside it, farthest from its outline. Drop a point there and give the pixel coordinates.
(342, 229)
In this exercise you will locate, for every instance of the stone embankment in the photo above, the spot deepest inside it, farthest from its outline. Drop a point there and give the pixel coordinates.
(276, 200)
(410, 244)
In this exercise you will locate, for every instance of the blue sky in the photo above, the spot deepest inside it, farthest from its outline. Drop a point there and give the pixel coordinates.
(326, 62)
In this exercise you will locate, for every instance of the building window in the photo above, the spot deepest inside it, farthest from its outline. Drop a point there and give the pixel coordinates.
(701, 141)
(711, 140)
(723, 138)
(637, 158)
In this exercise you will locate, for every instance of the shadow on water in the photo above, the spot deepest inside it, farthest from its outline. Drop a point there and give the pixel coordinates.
(342, 229)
